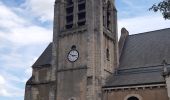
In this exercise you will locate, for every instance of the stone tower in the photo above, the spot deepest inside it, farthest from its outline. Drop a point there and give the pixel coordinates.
(84, 52)
(85, 49)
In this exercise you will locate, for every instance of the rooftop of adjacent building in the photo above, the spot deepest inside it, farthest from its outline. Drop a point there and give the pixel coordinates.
(141, 59)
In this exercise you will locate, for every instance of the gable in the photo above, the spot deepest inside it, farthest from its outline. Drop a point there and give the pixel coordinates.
(45, 58)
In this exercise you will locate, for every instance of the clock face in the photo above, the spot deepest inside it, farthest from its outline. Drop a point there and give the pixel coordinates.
(73, 55)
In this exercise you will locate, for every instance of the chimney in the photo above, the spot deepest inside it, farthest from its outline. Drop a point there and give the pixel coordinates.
(124, 35)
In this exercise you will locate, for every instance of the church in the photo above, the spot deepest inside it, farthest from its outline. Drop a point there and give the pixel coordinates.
(86, 61)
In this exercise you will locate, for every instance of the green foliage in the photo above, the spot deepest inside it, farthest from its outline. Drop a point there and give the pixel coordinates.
(163, 7)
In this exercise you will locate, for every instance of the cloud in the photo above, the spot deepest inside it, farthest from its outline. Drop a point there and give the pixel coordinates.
(148, 22)
(134, 8)
(21, 41)
(9, 18)
(9, 90)
(2, 80)
(129, 3)
(18, 30)
(28, 72)
(41, 8)
(27, 35)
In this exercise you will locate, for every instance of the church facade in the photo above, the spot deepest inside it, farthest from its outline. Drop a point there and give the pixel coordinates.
(86, 61)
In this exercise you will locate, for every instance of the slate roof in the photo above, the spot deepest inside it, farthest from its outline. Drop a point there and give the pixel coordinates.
(146, 49)
(45, 58)
(132, 78)
(141, 59)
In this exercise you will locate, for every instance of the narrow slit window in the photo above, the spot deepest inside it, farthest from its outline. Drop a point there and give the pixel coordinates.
(104, 16)
(108, 19)
(107, 54)
(109, 15)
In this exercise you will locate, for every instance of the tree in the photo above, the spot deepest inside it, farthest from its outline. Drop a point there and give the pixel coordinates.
(163, 7)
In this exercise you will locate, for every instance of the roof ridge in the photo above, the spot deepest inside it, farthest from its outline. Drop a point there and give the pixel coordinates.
(149, 32)
(142, 67)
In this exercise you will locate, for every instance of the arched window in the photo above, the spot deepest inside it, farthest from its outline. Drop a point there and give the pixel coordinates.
(133, 98)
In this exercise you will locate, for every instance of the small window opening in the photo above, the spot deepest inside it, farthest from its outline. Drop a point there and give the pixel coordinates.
(107, 54)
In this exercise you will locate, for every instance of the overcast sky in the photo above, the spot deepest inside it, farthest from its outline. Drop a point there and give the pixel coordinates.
(26, 30)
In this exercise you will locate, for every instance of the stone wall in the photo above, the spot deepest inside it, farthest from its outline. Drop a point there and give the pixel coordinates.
(39, 86)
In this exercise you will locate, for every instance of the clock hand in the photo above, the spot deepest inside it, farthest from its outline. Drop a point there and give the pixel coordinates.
(73, 55)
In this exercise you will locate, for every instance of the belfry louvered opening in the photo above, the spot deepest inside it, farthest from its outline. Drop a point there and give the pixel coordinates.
(69, 14)
(81, 12)
(75, 13)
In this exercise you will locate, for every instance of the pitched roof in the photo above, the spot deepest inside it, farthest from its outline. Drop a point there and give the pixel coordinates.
(45, 58)
(136, 77)
(143, 51)
(146, 49)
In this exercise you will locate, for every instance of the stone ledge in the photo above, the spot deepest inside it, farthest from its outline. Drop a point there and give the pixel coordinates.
(68, 69)
(72, 31)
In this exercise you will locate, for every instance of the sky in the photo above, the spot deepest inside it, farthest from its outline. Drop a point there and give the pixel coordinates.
(26, 30)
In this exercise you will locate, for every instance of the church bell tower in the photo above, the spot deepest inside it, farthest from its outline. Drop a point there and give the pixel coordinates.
(85, 47)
